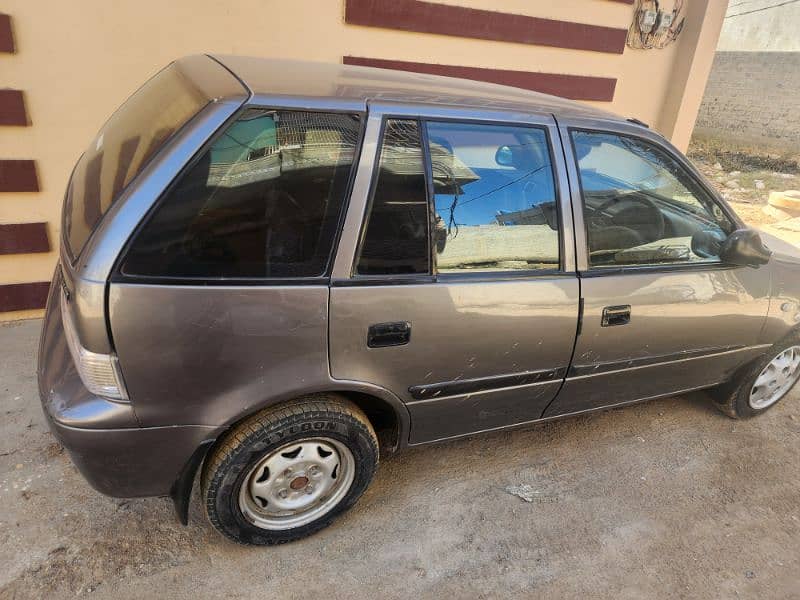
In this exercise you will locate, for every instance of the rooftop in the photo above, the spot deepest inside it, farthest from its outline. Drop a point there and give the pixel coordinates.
(276, 77)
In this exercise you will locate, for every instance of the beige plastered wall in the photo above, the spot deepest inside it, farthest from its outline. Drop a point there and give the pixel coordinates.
(77, 61)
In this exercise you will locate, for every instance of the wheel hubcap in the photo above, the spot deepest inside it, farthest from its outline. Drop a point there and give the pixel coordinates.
(776, 379)
(297, 483)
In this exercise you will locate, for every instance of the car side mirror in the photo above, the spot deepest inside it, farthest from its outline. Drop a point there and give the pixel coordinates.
(707, 243)
(505, 157)
(744, 247)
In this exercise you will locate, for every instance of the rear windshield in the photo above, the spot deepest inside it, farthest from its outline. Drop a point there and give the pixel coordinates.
(123, 146)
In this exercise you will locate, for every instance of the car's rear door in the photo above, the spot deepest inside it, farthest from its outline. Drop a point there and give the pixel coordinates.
(662, 314)
(454, 285)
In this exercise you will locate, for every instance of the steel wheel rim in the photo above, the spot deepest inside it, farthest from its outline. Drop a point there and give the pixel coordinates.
(297, 483)
(776, 379)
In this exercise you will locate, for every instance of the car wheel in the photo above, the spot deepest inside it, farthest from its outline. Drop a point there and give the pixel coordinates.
(763, 384)
(288, 471)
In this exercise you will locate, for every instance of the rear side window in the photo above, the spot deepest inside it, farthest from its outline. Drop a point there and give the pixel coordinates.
(135, 132)
(396, 235)
(263, 202)
(492, 206)
(494, 198)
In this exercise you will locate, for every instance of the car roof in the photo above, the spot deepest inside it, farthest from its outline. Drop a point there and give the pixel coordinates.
(307, 79)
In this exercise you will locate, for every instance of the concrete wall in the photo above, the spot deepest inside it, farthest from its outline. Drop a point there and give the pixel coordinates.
(753, 97)
(759, 25)
(77, 61)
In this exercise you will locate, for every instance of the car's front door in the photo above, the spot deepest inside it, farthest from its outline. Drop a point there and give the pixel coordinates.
(662, 314)
(454, 285)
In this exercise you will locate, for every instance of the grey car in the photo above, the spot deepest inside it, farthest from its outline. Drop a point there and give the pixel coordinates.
(271, 273)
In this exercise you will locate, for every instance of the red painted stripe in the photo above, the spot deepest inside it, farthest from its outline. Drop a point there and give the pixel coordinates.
(6, 36)
(12, 108)
(443, 19)
(575, 87)
(18, 176)
(23, 296)
(24, 238)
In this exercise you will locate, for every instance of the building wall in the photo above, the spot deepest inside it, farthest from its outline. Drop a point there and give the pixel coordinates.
(751, 97)
(74, 62)
(761, 25)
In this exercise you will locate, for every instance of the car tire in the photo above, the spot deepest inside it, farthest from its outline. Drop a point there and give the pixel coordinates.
(762, 384)
(289, 471)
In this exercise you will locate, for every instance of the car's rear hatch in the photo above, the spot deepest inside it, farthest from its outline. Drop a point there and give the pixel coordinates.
(116, 165)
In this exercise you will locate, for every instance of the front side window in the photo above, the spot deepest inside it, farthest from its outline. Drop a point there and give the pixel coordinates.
(263, 202)
(641, 206)
(494, 198)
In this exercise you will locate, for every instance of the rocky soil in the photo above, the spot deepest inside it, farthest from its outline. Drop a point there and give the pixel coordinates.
(746, 177)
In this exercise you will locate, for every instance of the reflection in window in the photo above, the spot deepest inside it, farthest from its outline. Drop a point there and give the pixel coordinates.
(263, 201)
(133, 134)
(396, 233)
(641, 206)
(494, 196)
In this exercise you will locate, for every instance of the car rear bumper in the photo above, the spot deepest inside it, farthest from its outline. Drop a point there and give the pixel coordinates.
(128, 463)
(103, 437)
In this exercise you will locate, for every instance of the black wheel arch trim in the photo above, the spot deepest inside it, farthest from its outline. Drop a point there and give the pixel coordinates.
(181, 490)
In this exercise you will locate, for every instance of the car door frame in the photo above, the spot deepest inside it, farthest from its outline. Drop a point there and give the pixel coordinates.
(378, 112)
(733, 356)
(635, 130)
(344, 265)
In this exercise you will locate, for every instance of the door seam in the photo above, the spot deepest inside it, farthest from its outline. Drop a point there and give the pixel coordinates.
(579, 323)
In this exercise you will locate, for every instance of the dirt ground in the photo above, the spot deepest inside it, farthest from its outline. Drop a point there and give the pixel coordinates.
(745, 176)
(665, 499)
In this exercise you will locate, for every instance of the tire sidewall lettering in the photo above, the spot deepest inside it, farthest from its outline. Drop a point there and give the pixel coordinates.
(302, 428)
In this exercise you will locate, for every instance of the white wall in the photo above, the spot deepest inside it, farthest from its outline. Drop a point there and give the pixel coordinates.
(770, 27)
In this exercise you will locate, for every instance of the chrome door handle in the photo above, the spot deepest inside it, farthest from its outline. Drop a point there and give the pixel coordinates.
(616, 315)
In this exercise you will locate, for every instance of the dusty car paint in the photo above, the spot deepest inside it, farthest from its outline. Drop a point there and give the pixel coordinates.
(485, 352)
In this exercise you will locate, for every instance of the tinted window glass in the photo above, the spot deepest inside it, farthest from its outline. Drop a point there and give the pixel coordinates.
(396, 234)
(263, 201)
(123, 146)
(642, 207)
(494, 196)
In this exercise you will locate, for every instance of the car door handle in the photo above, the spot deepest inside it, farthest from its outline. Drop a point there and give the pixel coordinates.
(381, 335)
(616, 315)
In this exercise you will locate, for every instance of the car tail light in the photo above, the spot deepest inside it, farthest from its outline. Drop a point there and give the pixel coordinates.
(99, 372)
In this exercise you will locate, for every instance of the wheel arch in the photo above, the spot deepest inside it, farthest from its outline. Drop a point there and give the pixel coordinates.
(388, 416)
(385, 411)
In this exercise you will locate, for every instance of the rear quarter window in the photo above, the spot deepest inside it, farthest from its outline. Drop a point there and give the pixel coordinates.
(264, 201)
